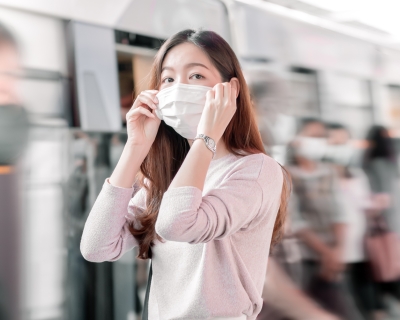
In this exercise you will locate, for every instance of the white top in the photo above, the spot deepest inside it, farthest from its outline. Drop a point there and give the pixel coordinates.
(213, 260)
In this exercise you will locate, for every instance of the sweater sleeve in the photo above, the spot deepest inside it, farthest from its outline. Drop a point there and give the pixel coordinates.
(187, 216)
(106, 236)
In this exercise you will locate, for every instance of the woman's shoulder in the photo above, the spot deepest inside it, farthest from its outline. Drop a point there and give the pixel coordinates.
(258, 166)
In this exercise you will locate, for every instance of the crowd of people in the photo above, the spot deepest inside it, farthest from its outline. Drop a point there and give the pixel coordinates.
(338, 258)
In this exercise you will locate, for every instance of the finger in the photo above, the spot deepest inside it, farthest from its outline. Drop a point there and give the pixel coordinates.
(147, 101)
(151, 95)
(227, 93)
(142, 110)
(219, 91)
(210, 95)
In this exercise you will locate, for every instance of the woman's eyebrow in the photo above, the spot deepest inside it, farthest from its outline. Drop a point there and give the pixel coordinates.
(166, 68)
(195, 64)
(189, 65)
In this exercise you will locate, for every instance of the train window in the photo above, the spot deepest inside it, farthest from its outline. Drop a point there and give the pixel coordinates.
(96, 88)
(126, 84)
(350, 103)
(303, 93)
(391, 109)
(133, 76)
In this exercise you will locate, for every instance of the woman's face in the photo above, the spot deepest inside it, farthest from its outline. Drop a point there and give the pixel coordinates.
(188, 64)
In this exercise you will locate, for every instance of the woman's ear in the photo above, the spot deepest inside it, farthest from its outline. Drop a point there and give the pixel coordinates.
(235, 84)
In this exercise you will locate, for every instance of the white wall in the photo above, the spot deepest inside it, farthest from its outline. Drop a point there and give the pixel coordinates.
(41, 39)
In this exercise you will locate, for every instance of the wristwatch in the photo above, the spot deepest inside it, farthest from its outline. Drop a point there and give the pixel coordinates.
(210, 143)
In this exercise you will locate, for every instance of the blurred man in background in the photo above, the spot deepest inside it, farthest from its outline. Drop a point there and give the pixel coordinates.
(13, 138)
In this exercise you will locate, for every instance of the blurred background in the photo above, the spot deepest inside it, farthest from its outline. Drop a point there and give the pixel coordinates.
(325, 81)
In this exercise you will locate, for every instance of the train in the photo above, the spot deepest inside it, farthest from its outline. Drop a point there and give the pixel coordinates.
(84, 61)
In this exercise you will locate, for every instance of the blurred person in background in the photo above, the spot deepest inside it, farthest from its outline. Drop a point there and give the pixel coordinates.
(13, 139)
(283, 298)
(13, 117)
(319, 220)
(356, 199)
(381, 167)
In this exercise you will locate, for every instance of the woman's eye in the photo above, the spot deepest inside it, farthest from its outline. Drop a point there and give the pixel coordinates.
(197, 76)
(168, 80)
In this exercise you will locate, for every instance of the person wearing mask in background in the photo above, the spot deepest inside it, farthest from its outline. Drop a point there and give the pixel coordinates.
(357, 203)
(319, 220)
(381, 166)
(282, 295)
(13, 140)
(210, 200)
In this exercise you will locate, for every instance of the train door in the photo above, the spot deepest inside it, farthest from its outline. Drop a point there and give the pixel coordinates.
(391, 109)
(391, 113)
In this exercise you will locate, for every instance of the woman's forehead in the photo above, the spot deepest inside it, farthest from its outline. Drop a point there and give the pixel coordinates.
(186, 54)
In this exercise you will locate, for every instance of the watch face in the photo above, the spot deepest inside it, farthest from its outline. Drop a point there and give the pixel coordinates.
(211, 143)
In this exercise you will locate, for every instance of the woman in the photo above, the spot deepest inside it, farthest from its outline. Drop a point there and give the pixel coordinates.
(380, 165)
(205, 217)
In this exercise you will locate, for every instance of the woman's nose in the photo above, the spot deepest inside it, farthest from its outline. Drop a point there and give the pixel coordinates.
(182, 80)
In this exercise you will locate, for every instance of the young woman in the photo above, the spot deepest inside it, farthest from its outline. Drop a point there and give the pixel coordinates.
(381, 166)
(204, 215)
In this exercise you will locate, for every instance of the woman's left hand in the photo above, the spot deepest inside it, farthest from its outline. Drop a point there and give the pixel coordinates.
(218, 111)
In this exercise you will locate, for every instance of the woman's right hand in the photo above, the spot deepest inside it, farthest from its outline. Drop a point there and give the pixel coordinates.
(141, 122)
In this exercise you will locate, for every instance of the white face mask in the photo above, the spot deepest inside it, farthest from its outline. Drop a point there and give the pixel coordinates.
(311, 148)
(181, 106)
(340, 153)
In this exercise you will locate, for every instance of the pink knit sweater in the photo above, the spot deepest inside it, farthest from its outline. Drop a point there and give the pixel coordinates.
(214, 258)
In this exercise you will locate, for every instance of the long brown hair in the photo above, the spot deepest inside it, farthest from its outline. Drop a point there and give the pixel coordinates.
(170, 149)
